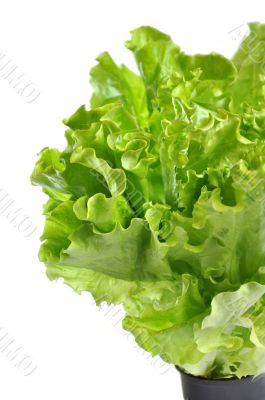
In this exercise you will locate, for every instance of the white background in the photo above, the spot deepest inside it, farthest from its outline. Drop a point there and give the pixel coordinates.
(80, 352)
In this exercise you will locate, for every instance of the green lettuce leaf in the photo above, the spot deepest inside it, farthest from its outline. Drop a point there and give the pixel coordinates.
(157, 202)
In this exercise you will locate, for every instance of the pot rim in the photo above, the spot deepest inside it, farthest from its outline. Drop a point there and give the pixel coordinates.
(203, 378)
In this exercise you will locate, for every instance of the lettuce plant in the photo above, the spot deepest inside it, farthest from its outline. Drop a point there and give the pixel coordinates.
(157, 201)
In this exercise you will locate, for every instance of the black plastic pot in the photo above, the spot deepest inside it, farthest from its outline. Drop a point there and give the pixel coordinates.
(198, 388)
